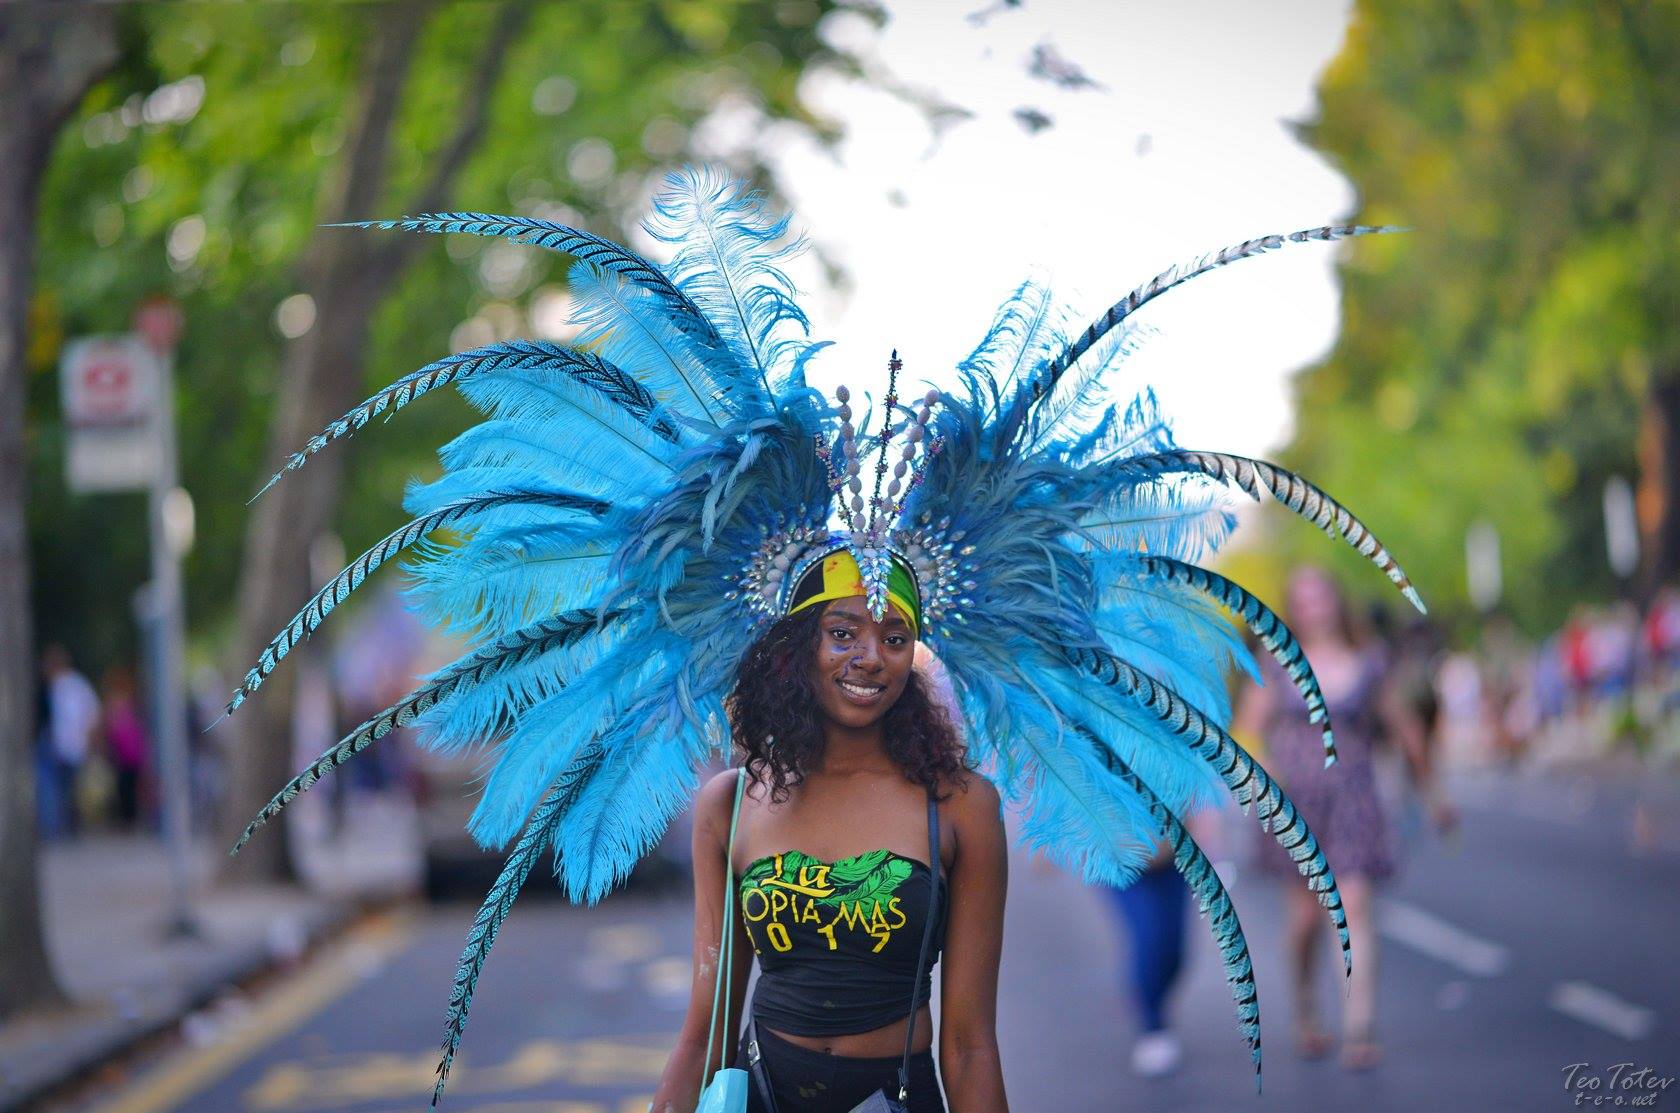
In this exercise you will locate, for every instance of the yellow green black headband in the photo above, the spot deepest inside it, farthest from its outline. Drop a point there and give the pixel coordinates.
(837, 576)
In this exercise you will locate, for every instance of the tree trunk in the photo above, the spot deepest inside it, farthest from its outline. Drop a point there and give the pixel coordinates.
(347, 273)
(49, 58)
(1658, 500)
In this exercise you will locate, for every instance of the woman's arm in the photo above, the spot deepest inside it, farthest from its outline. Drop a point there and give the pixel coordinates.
(687, 1069)
(1401, 722)
(968, 1049)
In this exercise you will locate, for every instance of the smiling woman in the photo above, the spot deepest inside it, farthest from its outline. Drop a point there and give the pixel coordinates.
(787, 701)
(864, 845)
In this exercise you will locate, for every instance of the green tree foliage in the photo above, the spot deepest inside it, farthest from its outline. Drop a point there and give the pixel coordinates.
(1497, 361)
(196, 171)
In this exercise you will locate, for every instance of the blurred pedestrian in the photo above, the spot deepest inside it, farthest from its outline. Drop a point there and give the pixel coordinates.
(1550, 674)
(1504, 665)
(1613, 651)
(72, 718)
(1153, 909)
(1662, 645)
(1340, 803)
(205, 747)
(1574, 642)
(125, 743)
(49, 812)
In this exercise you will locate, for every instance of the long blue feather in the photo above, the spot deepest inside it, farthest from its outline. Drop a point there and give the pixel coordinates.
(496, 714)
(1182, 273)
(650, 774)
(585, 246)
(1175, 635)
(1073, 811)
(1067, 409)
(538, 836)
(563, 414)
(631, 327)
(315, 612)
(497, 582)
(475, 668)
(1211, 898)
(511, 355)
(1181, 520)
(728, 260)
(1025, 329)
(537, 749)
(497, 454)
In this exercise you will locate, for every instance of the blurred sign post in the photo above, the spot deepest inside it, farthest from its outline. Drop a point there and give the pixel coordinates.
(1621, 527)
(109, 386)
(1481, 562)
(118, 396)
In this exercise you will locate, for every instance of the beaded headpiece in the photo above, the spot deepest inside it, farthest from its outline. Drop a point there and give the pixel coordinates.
(869, 534)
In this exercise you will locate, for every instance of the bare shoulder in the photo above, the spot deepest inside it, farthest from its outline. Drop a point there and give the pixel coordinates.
(975, 789)
(715, 800)
(974, 800)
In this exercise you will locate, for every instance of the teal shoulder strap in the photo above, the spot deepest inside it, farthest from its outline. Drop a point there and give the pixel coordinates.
(726, 946)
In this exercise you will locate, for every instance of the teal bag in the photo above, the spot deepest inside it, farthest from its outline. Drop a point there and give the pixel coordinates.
(727, 1092)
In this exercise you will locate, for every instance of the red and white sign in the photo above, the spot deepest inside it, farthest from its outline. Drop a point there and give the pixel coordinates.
(109, 389)
(108, 380)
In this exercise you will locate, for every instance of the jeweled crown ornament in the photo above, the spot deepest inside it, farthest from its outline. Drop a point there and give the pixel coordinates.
(868, 533)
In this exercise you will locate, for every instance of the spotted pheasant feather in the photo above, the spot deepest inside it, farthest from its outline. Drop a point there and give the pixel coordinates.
(315, 612)
(1211, 897)
(1278, 639)
(538, 836)
(512, 355)
(1177, 276)
(1285, 486)
(590, 248)
(509, 651)
(1247, 779)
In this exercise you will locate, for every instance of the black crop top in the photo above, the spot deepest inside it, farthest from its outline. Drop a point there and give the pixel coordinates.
(837, 942)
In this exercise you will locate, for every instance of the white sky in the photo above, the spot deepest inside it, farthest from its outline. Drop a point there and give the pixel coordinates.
(1213, 84)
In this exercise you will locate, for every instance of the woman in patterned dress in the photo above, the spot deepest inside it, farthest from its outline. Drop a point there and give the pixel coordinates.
(1340, 803)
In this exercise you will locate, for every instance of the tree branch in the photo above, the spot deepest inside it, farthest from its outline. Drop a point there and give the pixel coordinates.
(360, 180)
(475, 116)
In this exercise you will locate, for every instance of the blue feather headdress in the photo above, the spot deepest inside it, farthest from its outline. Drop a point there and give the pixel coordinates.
(632, 507)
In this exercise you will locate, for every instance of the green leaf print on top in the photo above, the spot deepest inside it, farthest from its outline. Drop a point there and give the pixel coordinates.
(866, 878)
(863, 878)
(792, 894)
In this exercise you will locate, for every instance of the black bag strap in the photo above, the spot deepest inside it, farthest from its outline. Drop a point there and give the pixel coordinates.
(937, 870)
(755, 1067)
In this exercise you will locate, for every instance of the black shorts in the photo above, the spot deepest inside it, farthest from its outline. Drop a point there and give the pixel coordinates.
(806, 1081)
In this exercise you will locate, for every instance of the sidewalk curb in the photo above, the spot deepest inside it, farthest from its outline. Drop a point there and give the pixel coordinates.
(88, 1040)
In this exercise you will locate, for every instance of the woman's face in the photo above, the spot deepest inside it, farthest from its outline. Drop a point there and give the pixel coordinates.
(861, 666)
(1315, 608)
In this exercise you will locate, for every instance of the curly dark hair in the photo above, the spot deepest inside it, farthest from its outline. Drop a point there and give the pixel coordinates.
(776, 722)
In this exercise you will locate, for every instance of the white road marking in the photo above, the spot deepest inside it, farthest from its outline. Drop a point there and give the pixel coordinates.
(669, 977)
(1602, 1009)
(1426, 933)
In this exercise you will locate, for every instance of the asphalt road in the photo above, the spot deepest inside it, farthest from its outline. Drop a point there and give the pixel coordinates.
(1537, 940)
